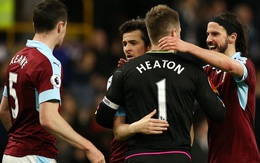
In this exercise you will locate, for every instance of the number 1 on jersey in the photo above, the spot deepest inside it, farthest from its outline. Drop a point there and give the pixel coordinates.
(161, 86)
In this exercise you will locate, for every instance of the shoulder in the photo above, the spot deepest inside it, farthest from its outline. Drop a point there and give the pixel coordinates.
(189, 57)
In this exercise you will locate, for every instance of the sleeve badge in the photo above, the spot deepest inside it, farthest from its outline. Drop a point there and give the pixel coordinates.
(56, 80)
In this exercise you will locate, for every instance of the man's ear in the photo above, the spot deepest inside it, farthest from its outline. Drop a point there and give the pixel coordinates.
(148, 47)
(173, 32)
(60, 26)
(232, 38)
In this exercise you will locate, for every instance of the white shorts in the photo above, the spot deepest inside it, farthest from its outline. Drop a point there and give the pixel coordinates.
(27, 159)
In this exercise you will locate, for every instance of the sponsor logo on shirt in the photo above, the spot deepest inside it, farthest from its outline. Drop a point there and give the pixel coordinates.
(56, 64)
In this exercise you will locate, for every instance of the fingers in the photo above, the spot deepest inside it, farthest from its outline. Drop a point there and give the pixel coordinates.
(157, 128)
(155, 121)
(121, 62)
(165, 43)
(162, 43)
(164, 39)
(158, 124)
(96, 157)
(151, 114)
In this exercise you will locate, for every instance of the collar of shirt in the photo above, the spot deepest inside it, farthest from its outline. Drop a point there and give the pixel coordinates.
(236, 55)
(40, 46)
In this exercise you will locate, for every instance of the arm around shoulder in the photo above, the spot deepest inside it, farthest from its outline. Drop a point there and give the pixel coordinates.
(216, 59)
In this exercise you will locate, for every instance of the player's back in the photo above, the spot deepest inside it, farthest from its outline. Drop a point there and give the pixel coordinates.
(24, 82)
(169, 83)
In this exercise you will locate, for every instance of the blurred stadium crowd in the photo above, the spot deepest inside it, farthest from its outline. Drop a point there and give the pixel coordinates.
(89, 62)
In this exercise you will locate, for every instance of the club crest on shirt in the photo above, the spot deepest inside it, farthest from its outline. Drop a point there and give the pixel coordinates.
(56, 80)
(242, 59)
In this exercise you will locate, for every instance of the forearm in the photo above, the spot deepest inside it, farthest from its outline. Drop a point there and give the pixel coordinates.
(5, 115)
(216, 59)
(52, 121)
(213, 58)
(124, 131)
(6, 121)
(63, 131)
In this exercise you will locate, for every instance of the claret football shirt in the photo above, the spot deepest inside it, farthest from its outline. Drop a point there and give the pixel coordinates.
(33, 76)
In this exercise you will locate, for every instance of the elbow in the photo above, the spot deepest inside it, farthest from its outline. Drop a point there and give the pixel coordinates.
(45, 122)
(222, 115)
(231, 67)
(104, 122)
(118, 137)
(217, 113)
(105, 116)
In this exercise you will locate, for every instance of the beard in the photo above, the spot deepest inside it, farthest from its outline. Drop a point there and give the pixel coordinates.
(219, 48)
(223, 48)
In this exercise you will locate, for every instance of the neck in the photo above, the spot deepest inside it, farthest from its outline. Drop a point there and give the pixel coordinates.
(46, 39)
(230, 51)
(156, 48)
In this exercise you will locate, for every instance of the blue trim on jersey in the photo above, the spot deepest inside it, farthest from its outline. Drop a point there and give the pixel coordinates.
(242, 61)
(121, 112)
(242, 87)
(5, 91)
(53, 94)
(41, 159)
(37, 100)
(44, 49)
(242, 90)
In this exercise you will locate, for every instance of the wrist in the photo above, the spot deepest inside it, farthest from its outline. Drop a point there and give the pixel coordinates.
(132, 128)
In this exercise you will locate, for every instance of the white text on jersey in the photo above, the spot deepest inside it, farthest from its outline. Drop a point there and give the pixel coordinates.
(163, 64)
(22, 60)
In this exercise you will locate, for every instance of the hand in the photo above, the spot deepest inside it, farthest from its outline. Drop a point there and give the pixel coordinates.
(121, 62)
(148, 125)
(95, 156)
(173, 43)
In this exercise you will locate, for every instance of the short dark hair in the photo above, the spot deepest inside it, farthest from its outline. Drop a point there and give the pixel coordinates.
(241, 30)
(47, 14)
(135, 24)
